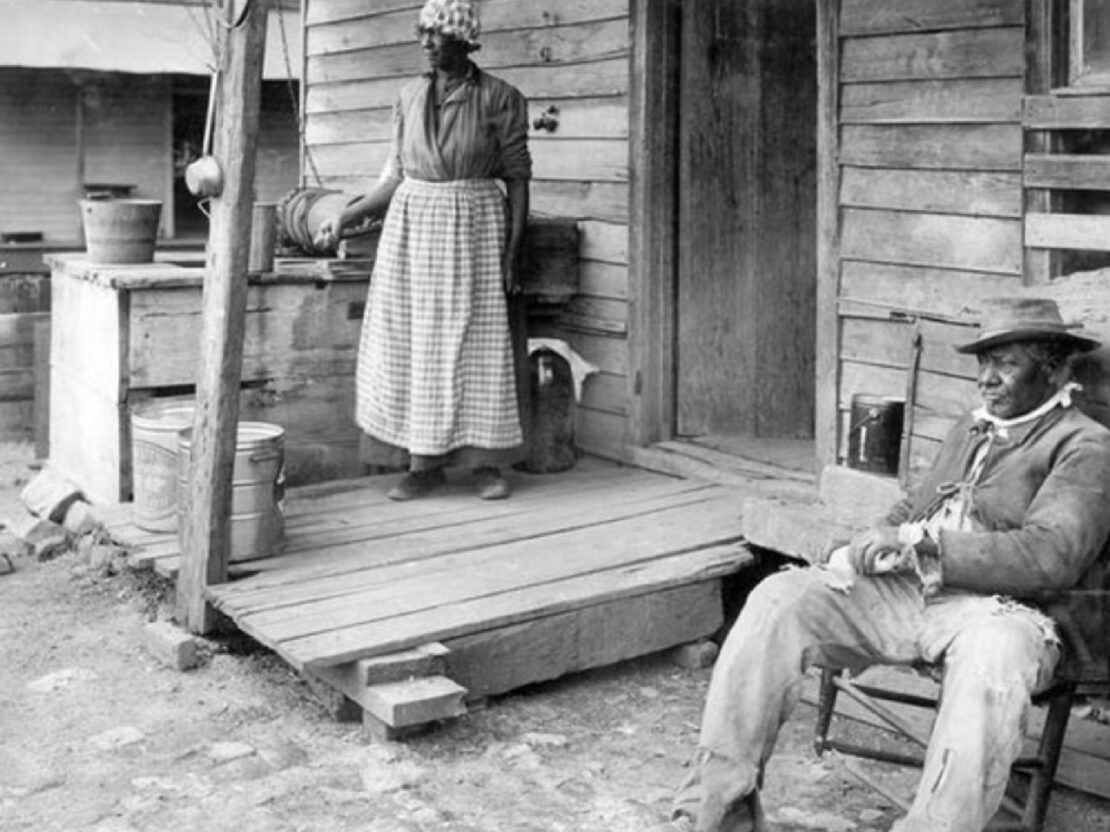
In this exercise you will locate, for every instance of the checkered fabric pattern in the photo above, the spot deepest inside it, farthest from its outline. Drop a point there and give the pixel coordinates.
(454, 18)
(435, 364)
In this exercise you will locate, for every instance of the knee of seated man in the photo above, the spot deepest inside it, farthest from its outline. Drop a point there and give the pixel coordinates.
(783, 592)
(1002, 645)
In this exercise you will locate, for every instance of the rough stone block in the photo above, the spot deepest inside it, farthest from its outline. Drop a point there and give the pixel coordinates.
(171, 645)
(49, 495)
(81, 518)
(378, 730)
(338, 705)
(696, 656)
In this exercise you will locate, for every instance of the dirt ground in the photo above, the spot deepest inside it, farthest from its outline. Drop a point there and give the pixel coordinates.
(96, 735)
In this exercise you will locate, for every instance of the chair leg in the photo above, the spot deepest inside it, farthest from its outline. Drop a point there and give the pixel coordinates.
(1052, 741)
(826, 704)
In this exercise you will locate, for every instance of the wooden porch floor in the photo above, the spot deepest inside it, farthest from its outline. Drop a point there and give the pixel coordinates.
(624, 560)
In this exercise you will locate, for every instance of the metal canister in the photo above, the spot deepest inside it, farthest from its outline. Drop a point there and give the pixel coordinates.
(875, 433)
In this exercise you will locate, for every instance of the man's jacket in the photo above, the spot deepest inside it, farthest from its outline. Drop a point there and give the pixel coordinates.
(1042, 503)
(1042, 500)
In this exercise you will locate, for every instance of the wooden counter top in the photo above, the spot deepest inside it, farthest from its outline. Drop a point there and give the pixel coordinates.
(172, 270)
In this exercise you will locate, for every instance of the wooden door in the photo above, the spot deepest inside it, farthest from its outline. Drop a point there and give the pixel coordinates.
(747, 272)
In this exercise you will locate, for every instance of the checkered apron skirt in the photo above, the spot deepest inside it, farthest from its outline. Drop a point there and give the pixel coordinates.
(435, 363)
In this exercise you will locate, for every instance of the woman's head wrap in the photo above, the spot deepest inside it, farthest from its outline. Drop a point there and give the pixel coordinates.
(454, 18)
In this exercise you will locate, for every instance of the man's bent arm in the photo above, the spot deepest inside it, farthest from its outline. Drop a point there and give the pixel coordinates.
(1062, 533)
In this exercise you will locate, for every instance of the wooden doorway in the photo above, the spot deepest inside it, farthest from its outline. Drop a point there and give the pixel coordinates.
(746, 276)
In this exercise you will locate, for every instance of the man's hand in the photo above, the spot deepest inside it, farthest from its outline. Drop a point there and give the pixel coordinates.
(873, 551)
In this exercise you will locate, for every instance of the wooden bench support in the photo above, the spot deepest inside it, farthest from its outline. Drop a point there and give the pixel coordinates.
(402, 690)
(415, 701)
(501, 660)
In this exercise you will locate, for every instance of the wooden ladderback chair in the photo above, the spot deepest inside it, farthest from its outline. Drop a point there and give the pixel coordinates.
(1083, 619)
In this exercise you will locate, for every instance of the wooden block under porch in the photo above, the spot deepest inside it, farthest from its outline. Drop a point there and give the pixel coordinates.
(579, 569)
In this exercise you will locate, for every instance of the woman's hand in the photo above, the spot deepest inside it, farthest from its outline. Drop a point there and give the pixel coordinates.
(327, 235)
(510, 271)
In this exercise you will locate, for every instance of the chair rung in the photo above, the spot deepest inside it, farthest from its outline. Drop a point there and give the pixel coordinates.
(1027, 763)
(897, 696)
(873, 753)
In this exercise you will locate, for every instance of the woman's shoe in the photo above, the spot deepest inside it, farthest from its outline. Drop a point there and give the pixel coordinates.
(490, 484)
(416, 484)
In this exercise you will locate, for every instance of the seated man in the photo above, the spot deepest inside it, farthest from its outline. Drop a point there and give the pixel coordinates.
(1017, 502)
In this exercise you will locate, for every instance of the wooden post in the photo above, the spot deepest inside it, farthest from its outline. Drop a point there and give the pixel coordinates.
(42, 385)
(826, 430)
(206, 537)
(1042, 62)
(653, 224)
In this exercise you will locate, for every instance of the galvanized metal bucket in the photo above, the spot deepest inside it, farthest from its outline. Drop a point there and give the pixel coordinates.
(257, 489)
(154, 436)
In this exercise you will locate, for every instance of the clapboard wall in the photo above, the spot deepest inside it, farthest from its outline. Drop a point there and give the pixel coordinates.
(61, 129)
(930, 192)
(571, 55)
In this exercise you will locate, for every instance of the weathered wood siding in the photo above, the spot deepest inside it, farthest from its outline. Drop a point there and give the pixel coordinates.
(46, 116)
(39, 141)
(60, 130)
(930, 190)
(573, 55)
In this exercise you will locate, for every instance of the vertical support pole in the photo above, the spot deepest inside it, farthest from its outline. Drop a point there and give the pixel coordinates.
(1042, 57)
(41, 334)
(653, 220)
(827, 427)
(206, 537)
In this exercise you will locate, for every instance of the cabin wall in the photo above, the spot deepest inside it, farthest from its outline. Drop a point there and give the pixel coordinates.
(61, 129)
(573, 56)
(930, 193)
(38, 132)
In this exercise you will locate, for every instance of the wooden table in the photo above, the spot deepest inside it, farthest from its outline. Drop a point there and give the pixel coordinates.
(125, 337)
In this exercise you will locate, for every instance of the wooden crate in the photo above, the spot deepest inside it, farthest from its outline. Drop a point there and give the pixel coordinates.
(125, 337)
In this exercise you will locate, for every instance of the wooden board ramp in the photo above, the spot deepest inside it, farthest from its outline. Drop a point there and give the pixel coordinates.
(470, 598)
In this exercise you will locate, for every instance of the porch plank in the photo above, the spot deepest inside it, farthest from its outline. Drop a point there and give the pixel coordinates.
(598, 564)
(404, 587)
(433, 553)
(361, 511)
(397, 633)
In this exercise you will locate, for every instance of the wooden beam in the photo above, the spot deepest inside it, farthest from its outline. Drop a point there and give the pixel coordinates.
(41, 330)
(828, 229)
(1067, 172)
(1041, 69)
(206, 539)
(1082, 232)
(653, 207)
(1052, 112)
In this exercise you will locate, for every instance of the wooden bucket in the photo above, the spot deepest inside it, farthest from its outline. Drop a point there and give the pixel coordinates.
(257, 489)
(120, 230)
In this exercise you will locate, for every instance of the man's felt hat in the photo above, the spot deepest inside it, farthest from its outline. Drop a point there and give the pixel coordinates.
(1006, 320)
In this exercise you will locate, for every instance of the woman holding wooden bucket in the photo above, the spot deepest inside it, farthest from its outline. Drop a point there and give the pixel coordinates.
(436, 381)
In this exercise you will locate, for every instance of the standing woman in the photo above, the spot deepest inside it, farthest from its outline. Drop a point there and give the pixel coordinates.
(435, 380)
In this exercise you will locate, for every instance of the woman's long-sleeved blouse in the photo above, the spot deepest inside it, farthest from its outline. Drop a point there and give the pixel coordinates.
(482, 131)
